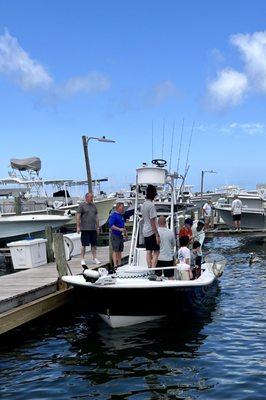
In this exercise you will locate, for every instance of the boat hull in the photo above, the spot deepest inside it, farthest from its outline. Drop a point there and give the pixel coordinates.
(130, 306)
(19, 226)
(250, 218)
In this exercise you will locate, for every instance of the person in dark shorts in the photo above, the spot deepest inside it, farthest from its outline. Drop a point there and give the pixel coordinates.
(150, 231)
(88, 224)
(117, 228)
(167, 248)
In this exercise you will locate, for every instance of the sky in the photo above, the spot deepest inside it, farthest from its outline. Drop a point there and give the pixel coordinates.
(143, 73)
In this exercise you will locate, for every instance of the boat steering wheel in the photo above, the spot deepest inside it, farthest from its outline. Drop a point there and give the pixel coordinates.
(159, 162)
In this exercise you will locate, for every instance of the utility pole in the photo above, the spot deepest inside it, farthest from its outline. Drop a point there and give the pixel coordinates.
(87, 163)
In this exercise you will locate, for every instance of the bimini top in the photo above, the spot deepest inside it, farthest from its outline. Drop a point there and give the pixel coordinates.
(25, 164)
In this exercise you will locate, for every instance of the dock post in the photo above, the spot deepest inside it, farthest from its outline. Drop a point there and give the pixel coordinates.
(60, 258)
(17, 205)
(49, 243)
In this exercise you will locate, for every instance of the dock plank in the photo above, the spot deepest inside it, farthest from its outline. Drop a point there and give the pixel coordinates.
(26, 286)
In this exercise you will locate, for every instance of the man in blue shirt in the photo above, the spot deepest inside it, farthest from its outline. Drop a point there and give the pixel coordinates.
(117, 227)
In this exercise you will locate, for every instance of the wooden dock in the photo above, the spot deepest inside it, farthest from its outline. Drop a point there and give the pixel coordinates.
(245, 233)
(28, 294)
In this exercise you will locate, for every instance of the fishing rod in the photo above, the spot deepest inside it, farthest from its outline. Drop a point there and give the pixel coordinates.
(189, 145)
(152, 139)
(180, 146)
(172, 141)
(163, 138)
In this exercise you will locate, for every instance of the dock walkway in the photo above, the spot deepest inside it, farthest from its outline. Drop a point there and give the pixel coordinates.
(30, 293)
(248, 233)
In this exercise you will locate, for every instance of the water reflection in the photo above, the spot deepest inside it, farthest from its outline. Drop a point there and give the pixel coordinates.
(216, 355)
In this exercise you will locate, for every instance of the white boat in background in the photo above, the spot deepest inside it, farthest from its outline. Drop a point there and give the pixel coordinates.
(134, 293)
(253, 208)
(25, 225)
(47, 196)
(251, 218)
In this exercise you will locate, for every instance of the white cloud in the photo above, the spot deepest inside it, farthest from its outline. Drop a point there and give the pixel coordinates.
(234, 129)
(253, 50)
(231, 86)
(253, 128)
(18, 65)
(93, 82)
(161, 92)
(31, 75)
(228, 89)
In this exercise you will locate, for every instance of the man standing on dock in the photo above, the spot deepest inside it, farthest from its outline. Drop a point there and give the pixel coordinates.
(236, 210)
(88, 224)
(207, 214)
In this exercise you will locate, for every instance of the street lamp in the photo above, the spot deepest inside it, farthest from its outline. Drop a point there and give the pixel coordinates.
(85, 140)
(202, 179)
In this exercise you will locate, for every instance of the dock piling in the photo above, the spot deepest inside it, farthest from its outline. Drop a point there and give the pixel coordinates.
(49, 243)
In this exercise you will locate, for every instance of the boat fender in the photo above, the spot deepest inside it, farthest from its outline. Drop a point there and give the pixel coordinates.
(218, 269)
(91, 275)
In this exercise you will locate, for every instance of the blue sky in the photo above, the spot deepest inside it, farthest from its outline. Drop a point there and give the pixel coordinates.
(73, 68)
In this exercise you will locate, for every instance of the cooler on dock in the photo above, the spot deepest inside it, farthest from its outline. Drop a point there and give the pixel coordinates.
(28, 253)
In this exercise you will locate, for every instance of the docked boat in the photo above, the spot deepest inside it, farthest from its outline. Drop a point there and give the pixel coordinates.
(251, 218)
(25, 225)
(47, 196)
(135, 293)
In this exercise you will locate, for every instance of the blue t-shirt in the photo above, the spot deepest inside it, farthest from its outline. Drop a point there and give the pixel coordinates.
(117, 220)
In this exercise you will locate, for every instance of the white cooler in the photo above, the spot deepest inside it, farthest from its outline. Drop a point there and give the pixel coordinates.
(28, 253)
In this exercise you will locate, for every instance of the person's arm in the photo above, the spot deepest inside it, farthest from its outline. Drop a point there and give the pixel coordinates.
(78, 217)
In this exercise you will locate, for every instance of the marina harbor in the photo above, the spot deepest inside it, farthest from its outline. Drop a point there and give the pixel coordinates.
(132, 200)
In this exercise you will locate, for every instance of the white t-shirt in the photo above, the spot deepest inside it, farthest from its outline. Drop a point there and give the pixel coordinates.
(148, 211)
(167, 244)
(236, 207)
(183, 254)
(198, 235)
(207, 210)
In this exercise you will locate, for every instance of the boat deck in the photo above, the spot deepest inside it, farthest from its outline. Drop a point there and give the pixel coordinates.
(31, 293)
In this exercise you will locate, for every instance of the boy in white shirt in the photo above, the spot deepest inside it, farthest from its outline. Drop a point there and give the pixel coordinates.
(184, 253)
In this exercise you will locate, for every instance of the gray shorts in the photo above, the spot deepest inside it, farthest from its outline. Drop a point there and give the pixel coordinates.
(117, 243)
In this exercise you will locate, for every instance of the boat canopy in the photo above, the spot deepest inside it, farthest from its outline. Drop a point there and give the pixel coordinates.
(25, 164)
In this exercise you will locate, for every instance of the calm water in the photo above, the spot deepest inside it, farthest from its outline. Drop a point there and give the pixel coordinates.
(218, 356)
